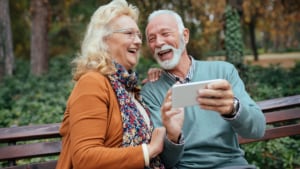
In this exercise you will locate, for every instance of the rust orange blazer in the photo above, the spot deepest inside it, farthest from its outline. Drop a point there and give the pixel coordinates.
(92, 129)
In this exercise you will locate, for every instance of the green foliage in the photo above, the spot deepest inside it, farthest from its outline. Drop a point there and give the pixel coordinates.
(272, 82)
(233, 37)
(26, 99)
(278, 153)
(143, 66)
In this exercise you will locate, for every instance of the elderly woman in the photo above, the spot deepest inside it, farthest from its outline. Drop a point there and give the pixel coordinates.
(106, 125)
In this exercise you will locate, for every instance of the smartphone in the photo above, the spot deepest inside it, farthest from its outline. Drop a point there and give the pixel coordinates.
(186, 94)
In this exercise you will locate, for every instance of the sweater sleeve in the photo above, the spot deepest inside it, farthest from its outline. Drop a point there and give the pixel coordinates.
(89, 109)
(251, 122)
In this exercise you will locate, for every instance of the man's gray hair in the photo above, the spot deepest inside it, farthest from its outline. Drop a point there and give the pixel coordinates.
(169, 12)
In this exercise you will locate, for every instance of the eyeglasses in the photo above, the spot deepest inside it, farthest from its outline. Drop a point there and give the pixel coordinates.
(130, 33)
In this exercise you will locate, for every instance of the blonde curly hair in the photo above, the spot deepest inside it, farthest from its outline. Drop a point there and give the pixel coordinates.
(94, 50)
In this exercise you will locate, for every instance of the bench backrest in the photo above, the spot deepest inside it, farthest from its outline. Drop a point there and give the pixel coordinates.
(30, 141)
(285, 113)
(14, 143)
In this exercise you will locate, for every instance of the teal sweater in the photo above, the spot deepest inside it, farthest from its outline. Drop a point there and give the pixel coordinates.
(210, 141)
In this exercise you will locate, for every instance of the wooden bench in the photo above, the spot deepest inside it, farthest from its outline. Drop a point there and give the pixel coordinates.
(25, 142)
(284, 116)
(28, 142)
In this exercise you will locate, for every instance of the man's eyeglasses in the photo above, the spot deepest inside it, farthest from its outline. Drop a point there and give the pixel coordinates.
(130, 33)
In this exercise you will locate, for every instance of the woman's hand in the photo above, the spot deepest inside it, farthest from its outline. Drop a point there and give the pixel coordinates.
(152, 75)
(157, 141)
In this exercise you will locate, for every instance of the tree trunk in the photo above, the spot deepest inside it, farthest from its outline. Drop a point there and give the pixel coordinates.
(6, 43)
(39, 37)
(252, 37)
(266, 41)
(236, 4)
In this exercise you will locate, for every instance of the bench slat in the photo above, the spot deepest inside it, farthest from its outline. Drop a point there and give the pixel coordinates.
(282, 115)
(30, 150)
(29, 132)
(42, 165)
(278, 103)
(273, 133)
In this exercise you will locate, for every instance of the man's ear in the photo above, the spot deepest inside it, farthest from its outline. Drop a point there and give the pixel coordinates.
(186, 34)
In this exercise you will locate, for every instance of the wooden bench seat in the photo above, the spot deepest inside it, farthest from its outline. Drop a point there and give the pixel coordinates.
(282, 116)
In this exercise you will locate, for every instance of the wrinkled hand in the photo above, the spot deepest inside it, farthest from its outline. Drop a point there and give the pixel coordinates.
(157, 142)
(217, 96)
(172, 119)
(153, 74)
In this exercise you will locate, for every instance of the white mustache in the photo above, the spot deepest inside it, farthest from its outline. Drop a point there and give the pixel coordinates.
(165, 47)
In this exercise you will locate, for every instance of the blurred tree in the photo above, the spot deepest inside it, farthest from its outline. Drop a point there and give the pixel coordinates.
(252, 11)
(39, 36)
(205, 20)
(20, 20)
(276, 24)
(291, 6)
(276, 21)
(285, 20)
(6, 44)
(233, 37)
(68, 24)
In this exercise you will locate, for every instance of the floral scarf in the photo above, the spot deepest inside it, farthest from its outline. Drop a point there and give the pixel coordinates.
(135, 128)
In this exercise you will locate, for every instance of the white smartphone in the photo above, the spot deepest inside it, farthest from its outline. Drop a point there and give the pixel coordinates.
(186, 94)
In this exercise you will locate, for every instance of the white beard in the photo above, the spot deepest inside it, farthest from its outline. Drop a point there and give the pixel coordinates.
(171, 63)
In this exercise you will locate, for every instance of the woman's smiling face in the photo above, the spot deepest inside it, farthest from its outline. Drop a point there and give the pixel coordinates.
(124, 42)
